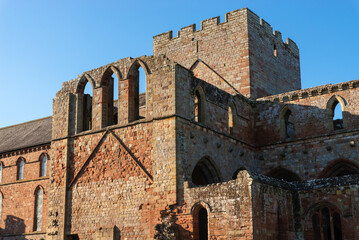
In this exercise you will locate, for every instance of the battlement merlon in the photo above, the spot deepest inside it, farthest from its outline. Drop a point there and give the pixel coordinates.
(243, 15)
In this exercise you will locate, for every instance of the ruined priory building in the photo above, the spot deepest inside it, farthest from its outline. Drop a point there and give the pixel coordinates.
(222, 144)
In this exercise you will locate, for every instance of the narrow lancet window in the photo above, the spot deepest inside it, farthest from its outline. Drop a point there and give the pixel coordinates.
(337, 115)
(1, 167)
(43, 165)
(20, 169)
(137, 92)
(0, 205)
(326, 224)
(230, 120)
(87, 108)
(203, 224)
(289, 126)
(38, 210)
(199, 106)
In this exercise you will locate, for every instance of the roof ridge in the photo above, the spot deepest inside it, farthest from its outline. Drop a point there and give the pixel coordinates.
(19, 124)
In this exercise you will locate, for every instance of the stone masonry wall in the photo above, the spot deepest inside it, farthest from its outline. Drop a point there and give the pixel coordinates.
(315, 144)
(228, 206)
(229, 55)
(121, 175)
(19, 196)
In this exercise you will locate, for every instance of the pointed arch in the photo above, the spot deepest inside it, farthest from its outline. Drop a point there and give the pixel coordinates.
(85, 78)
(38, 187)
(232, 119)
(287, 130)
(199, 105)
(137, 63)
(323, 221)
(110, 70)
(1, 201)
(20, 164)
(84, 104)
(43, 159)
(205, 172)
(283, 174)
(332, 104)
(135, 99)
(109, 81)
(1, 170)
(38, 211)
(200, 214)
(338, 168)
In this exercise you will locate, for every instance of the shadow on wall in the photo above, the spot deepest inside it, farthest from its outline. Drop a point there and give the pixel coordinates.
(14, 225)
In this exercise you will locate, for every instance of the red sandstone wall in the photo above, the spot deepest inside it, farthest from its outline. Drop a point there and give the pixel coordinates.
(316, 144)
(18, 203)
(222, 46)
(344, 199)
(228, 206)
(270, 74)
(239, 51)
(272, 212)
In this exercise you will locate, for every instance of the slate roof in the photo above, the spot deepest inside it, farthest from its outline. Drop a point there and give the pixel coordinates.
(26, 134)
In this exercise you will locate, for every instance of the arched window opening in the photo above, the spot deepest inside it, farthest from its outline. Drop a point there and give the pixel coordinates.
(87, 108)
(200, 223)
(43, 164)
(283, 174)
(1, 167)
(289, 126)
(110, 87)
(20, 169)
(337, 115)
(275, 50)
(137, 92)
(199, 111)
(340, 168)
(115, 99)
(1, 197)
(203, 224)
(38, 210)
(326, 224)
(205, 173)
(230, 120)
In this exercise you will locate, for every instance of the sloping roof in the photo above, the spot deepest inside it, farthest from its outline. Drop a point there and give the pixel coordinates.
(26, 134)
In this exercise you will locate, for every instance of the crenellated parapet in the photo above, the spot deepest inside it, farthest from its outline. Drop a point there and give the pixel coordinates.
(233, 17)
(243, 43)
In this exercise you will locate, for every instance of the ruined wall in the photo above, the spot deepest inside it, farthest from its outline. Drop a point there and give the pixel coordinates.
(272, 212)
(120, 175)
(228, 206)
(233, 55)
(342, 198)
(315, 144)
(19, 196)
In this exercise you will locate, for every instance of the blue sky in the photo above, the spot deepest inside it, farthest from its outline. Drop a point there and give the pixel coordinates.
(44, 43)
